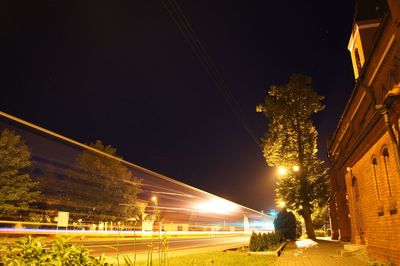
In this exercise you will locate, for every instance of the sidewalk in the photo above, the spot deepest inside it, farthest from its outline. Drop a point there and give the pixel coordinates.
(322, 253)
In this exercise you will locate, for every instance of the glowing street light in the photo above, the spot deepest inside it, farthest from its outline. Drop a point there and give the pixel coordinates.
(154, 199)
(296, 168)
(282, 170)
(282, 204)
(155, 209)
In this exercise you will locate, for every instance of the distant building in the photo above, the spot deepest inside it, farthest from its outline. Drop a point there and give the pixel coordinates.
(364, 149)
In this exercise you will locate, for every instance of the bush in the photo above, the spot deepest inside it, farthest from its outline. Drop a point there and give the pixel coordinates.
(285, 222)
(253, 245)
(279, 237)
(263, 242)
(320, 233)
(30, 251)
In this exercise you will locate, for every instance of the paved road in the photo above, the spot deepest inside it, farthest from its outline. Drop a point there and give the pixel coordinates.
(116, 249)
(114, 246)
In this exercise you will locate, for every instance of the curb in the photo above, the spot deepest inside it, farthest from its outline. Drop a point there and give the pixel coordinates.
(276, 252)
(280, 249)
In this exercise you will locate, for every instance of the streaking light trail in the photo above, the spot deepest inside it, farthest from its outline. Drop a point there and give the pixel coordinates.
(69, 203)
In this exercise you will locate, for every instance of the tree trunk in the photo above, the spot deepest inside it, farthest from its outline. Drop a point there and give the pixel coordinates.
(306, 213)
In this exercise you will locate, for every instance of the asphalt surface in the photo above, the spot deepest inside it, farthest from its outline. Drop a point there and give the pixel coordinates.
(129, 245)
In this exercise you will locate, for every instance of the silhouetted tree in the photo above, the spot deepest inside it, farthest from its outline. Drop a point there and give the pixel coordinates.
(102, 184)
(17, 189)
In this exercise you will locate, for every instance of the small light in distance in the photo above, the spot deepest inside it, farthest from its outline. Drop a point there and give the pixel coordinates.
(296, 168)
(272, 213)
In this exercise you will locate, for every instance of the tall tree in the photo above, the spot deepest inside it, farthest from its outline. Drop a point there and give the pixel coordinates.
(102, 184)
(17, 189)
(291, 140)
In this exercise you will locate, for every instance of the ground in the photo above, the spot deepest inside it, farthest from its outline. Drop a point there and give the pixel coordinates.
(228, 258)
(323, 253)
(302, 252)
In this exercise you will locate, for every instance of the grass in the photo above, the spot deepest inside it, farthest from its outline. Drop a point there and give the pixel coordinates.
(220, 258)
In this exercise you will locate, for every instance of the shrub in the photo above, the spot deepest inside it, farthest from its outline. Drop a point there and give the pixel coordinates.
(285, 222)
(279, 237)
(270, 241)
(31, 251)
(320, 233)
(263, 242)
(253, 242)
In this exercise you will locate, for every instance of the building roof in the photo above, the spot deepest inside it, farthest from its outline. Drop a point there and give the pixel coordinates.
(370, 9)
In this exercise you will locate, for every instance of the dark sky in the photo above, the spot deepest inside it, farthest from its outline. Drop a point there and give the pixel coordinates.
(122, 72)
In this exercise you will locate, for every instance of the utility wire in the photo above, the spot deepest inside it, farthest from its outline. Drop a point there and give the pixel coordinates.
(177, 15)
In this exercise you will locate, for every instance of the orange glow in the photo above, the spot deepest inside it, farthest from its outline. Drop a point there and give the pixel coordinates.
(282, 170)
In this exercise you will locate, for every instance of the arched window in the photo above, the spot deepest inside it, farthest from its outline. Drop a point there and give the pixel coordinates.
(374, 163)
(385, 155)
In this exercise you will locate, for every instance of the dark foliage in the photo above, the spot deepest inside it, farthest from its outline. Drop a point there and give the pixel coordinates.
(264, 242)
(286, 223)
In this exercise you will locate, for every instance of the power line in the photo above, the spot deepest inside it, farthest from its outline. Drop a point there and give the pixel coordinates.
(177, 15)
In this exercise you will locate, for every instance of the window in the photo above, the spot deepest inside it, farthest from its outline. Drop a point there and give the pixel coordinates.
(380, 209)
(385, 154)
(374, 164)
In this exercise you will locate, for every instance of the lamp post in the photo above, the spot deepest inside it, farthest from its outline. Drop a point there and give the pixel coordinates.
(154, 199)
(157, 219)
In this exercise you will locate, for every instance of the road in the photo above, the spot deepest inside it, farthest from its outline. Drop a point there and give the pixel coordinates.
(113, 248)
(115, 244)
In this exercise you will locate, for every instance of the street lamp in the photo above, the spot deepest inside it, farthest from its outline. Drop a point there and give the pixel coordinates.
(154, 199)
(282, 170)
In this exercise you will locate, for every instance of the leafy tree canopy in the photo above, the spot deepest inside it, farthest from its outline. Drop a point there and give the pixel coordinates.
(17, 189)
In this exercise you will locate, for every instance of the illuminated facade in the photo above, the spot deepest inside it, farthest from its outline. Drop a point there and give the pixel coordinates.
(364, 149)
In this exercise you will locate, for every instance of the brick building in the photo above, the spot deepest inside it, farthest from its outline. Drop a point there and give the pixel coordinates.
(364, 149)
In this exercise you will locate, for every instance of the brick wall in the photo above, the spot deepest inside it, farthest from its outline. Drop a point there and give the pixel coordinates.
(381, 233)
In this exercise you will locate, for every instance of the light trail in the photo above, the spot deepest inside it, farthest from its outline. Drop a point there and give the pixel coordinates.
(177, 209)
(68, 232)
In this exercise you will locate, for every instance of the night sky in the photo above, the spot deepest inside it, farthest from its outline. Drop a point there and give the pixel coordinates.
(122, 72)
